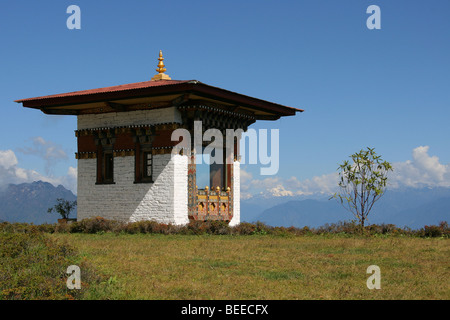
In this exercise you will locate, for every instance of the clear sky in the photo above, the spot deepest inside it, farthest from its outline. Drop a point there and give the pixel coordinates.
(385, 88)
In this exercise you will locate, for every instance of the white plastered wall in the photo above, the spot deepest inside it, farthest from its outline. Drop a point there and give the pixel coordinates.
(236, 194)
(164, 200)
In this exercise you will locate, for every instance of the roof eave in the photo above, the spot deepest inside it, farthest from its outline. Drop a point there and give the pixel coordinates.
(193, 86)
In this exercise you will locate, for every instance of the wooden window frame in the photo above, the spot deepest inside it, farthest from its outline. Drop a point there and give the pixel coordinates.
(141, 164)
(146, 165)
(105, 172)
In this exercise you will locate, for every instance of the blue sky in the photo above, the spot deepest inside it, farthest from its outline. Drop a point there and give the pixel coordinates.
(388, 88)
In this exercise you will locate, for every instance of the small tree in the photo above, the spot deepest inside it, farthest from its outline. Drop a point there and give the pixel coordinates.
(362, 183)
(63, 207)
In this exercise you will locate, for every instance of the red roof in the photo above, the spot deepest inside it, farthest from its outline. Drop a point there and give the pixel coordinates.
(122, 87)
(156, 89)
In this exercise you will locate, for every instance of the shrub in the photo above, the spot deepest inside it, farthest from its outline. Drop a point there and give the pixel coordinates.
(196, 227)
(262, 228)
(33, 267)
(62, 228)
(75, 227)
(347, 227)
(436, 231)
(146, 226)
(218, 227)
(381, 229)
(47, 228)
(432, 231)
(93, 225)
(244, 228)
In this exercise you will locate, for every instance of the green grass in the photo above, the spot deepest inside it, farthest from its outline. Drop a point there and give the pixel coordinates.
(33, 266)
(153, 266)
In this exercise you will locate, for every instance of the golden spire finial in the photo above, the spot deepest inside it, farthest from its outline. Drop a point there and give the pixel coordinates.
(161, 75)
(161, 68)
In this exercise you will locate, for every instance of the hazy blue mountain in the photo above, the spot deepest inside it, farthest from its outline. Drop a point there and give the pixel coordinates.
(412, 207)
(430, 213)
(29, 202)
(409, 207)
(311, 213)
(253, 207)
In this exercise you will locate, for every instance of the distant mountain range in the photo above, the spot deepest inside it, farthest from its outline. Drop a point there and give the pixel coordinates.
(29, 202)
(410, 207)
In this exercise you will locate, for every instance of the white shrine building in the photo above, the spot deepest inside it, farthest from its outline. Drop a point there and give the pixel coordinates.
(129, 168)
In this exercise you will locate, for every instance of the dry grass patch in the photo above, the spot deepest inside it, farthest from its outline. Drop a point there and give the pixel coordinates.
(146, 266)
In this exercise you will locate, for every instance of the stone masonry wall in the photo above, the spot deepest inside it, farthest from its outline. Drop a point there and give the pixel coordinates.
(164, 200)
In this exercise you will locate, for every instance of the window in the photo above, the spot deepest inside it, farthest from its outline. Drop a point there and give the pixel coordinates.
(212, 174)
(105, 168)
(108, 172)
(202, 170)
(143, 166)
(147, 166)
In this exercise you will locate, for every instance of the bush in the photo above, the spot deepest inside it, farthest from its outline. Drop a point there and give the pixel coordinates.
(34, 266)
(216, 227)
(92, 225)
(95, 225)
(141, 227)
(382, 229)
(442, 230)
(244, 228)
(261, 228)
(205, 227)
(195, 227)
(347, 227)
(432, 231)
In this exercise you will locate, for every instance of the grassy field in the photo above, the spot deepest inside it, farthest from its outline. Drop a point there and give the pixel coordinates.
(152, 266)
